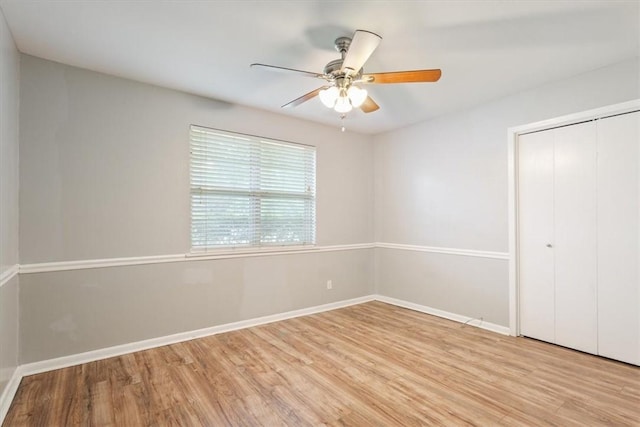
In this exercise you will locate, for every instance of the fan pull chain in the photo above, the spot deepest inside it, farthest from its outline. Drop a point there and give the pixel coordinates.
(342, 116)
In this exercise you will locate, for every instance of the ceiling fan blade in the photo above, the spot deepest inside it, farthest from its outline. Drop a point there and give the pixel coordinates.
(369, 105)
(288, 70)
(415, 76)
(304, 98)
(362, 46)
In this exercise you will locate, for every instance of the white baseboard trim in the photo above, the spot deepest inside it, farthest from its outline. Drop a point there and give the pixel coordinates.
(446, 251)
(9, 392)
(90, 356)
(504, 330)
(9, 274)
(104, 353)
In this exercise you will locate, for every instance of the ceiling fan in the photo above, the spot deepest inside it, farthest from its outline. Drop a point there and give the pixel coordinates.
(343, 76)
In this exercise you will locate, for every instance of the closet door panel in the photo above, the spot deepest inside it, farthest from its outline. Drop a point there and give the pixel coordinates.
(618, 237)
(575, 236)
(535, 222)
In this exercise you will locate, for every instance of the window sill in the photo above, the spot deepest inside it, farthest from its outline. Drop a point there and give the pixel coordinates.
(275, 250)
(250, 250)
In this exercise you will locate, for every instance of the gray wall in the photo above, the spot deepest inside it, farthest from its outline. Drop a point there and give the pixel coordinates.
(9, 345)
(104, 165)
(71, 312)
(9, 78)
(443, 183)
(104, 173)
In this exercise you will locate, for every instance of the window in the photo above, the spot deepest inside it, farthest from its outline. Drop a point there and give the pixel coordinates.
(250, 191)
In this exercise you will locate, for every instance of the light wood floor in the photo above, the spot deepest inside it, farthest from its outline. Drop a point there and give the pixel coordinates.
(365, 365)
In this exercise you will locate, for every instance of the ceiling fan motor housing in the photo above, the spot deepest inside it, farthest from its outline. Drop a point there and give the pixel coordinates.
(333, 68)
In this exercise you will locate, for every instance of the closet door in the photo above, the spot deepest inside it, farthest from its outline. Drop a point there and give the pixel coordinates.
(619, 237)
(535, 229)
(575, 237)
(557, 236)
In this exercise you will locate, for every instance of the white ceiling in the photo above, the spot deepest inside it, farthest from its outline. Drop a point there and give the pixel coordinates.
(486, 49)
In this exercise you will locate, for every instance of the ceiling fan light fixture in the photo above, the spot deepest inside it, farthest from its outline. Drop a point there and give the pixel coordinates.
(342, 100)
(329, 96)
(343, 105)
(357, 96)
(338, 92)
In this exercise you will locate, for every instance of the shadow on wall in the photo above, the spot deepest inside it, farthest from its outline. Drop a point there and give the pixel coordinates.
(204, 103)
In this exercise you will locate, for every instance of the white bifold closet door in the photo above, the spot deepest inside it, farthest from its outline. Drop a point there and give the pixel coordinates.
(579, 236)
(536, 255)
(575, 239)
(557, 226)
(619, 237)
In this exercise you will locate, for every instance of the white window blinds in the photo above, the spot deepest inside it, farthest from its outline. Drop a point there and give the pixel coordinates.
(250, 191)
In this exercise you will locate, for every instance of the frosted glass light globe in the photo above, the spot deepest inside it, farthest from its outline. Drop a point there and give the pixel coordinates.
(357, 96)
(329, 96)
(343, 105)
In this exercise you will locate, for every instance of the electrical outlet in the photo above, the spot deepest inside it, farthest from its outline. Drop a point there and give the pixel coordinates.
(329, 284)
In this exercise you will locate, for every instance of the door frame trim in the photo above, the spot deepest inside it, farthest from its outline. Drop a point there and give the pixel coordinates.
(513, 134)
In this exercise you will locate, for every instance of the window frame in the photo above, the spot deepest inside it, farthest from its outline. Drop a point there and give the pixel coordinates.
(256, 195)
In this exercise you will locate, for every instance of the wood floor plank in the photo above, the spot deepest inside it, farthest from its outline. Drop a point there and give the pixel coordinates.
(371, 364)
